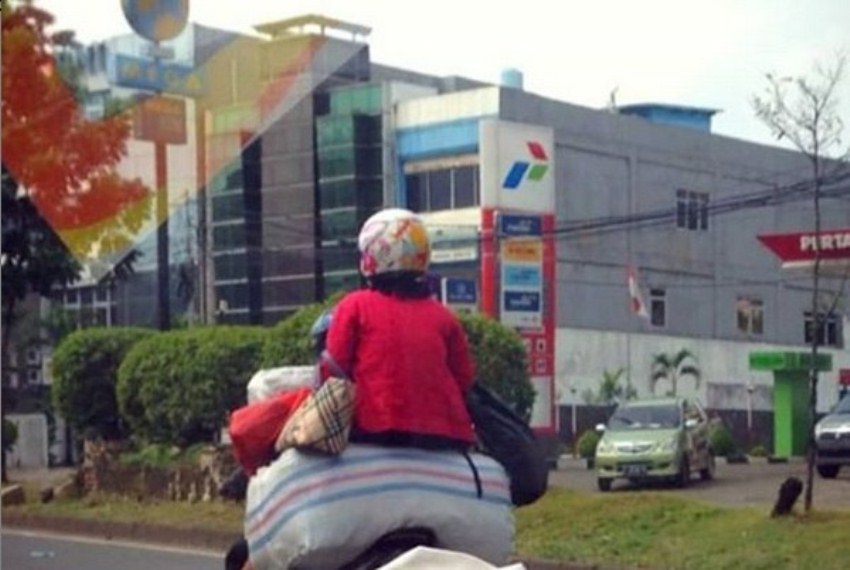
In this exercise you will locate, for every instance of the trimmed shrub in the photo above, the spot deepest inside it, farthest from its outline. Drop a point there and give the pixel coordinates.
(587, 443)
(721, 440)
(179, 387)
(289, 342)
(85, 367)
(758, 451)
(500, 361)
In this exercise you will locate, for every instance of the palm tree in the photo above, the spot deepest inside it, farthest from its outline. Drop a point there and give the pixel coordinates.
(674, 366)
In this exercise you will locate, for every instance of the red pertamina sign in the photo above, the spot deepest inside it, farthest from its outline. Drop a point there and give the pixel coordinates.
(803, 246)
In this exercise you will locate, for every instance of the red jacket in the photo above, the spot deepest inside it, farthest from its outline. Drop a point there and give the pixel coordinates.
(410, 361)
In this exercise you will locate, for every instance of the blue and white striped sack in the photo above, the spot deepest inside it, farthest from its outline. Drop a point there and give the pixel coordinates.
(313, 511)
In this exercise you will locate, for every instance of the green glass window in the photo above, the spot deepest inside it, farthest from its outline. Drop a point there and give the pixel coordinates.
(337, 194)
(228, 237)
(333, 130)
(340, 257)
(338, 161)
(341, 282)
(236, 296)
(364, 99)
(339, 224)
(228, 178)
(229, 207)
(231, 266)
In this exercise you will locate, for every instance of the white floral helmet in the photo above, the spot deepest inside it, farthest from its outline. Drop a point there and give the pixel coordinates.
(393, 240)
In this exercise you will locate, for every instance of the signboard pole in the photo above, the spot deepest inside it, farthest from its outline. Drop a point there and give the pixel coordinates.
(162, 269)
(158, 22)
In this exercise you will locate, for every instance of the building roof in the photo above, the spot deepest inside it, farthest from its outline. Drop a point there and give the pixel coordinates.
(296, 25)
(640, 108)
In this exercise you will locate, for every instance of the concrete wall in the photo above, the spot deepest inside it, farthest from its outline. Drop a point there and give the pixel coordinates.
(30, 451)
(582, 355)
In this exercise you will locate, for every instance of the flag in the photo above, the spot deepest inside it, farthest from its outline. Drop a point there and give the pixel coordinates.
(636, 302)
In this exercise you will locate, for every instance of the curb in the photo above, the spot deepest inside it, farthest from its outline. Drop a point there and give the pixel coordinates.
(195, 538)
(111, 530)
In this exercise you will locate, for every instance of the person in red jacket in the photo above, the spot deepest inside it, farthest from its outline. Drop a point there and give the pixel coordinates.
(407, 354)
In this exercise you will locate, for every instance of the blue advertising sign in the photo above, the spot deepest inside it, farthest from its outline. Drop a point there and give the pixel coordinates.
(522, 301)
(153, 75)
(515, 225)
(460, 291)
(156, 20)
(529, 276)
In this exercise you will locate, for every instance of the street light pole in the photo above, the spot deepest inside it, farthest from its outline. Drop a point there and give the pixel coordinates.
(574, 420)
(750, 390)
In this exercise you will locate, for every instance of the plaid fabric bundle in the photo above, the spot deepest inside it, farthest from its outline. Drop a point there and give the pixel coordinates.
(322, 422)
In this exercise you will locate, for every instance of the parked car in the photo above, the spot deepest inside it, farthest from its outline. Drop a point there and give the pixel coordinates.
(655, 439)
(832, 437)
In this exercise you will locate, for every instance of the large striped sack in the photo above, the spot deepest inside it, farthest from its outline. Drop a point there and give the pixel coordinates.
(316, 511)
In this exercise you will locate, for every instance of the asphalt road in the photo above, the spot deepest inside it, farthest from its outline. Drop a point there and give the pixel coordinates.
(31, 551)
(754, 484)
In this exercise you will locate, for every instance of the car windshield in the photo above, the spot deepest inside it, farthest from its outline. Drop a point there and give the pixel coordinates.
(843, 406)
(645, 417)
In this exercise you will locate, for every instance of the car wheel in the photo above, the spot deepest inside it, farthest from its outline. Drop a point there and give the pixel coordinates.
(828, 471)
(684, 475)
(707, 474)
(604, 484)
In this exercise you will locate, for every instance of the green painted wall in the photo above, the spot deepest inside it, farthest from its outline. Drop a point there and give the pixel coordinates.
(790, 396)
(790, 413)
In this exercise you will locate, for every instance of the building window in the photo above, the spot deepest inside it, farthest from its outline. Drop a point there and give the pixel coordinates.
(750, 312)
(235, 296)
(691, 210)
(658, 307)
(828, 329)
(32, 356)
(226, 237)
(443, 189)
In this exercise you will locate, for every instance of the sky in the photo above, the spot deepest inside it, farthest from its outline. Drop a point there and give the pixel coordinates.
(702, 53)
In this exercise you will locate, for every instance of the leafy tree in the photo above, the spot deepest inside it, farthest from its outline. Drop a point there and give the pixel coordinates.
(804, 111)
(178, 387)
(610, 389)
(85, 370)
(672, 367)
(57, 170)
(500, 361)
(65, 162)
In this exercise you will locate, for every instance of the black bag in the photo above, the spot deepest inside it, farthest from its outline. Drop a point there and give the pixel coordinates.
(508, 439)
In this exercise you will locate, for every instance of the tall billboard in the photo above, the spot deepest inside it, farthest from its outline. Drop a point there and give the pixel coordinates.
(517, 169)
(517, 173)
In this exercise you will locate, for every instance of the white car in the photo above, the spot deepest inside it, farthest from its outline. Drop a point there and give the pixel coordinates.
(832, 437)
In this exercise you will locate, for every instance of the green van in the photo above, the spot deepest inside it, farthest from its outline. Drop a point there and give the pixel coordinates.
(657, 439)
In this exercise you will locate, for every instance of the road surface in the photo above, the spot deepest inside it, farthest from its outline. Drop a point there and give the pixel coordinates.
(753, 484)
(31, 551)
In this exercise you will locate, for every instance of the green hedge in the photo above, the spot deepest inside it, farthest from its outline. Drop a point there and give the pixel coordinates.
(500, 361)
(288, 343)
(587, 443)
(179, 387)
(721, 440)
(85, 367)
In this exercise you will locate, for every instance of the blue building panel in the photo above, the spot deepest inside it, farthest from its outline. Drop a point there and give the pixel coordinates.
(442, 139)
(451, 138)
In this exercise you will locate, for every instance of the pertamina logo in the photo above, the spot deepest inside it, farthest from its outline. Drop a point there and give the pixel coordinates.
(525, 170)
